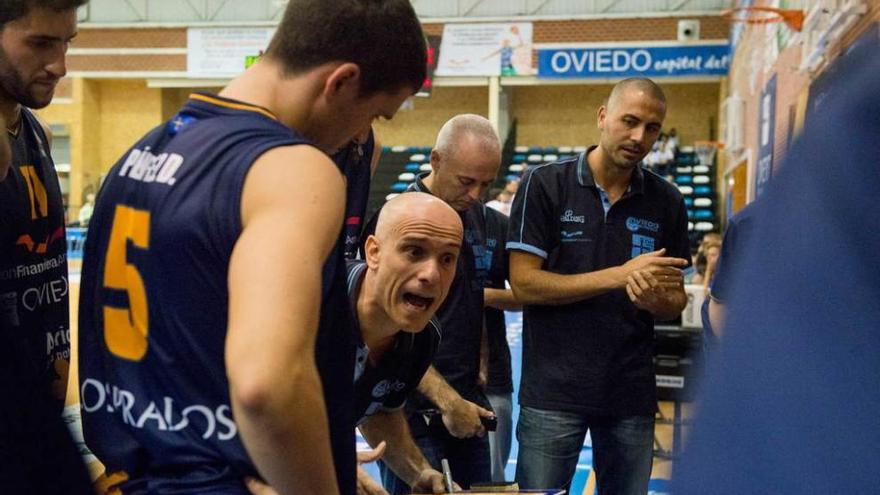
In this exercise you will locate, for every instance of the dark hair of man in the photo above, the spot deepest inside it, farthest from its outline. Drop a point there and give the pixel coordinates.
(383, 37)
(644, 84)
(11, 10)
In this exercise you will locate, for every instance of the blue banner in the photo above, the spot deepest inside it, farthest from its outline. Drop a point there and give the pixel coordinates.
(766, 136)
(632, 61)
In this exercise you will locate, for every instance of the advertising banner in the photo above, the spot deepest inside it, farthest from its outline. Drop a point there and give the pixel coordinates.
(224, 52)
(486, 50)
(633, 61)
(766, 136)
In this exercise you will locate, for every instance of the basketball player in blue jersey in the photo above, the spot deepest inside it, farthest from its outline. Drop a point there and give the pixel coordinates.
(211, 347)
(34, 305)
(34, 315)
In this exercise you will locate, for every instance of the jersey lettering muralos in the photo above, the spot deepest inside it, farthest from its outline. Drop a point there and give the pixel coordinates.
(34, 307)
(154, 302)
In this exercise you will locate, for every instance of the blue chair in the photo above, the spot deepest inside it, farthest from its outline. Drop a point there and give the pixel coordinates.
(683, 179)
(399, 187)
(519, 158)
(411, 167)
(702, 190)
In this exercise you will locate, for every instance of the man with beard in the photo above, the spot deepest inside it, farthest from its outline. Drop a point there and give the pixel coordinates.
(34, 37)
(34, 317)
(596, 250)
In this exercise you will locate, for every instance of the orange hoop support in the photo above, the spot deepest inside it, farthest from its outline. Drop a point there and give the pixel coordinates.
(793, 18)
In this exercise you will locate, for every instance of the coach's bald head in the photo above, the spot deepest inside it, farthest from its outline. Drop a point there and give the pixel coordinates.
(412, 258)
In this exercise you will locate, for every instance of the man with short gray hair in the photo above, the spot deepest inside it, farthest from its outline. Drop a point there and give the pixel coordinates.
(446, 416)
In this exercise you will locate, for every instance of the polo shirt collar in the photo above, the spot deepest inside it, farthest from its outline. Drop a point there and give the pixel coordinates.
(585, 175)
(418, 185)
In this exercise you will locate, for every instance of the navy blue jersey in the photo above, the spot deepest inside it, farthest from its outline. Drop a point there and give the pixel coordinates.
(154, 306)
(354, 160)
(34, 305)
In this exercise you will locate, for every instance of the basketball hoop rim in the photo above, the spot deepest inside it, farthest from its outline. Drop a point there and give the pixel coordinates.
(793, 18)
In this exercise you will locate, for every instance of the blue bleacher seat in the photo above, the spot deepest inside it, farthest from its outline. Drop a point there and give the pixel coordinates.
(411, 167)
(519, 157)
(684, 179)
(702, 190)
(399, 186)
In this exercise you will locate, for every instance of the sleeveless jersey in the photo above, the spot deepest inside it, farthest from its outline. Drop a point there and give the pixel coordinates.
(154, 305)
(34, 307)
(354, 160)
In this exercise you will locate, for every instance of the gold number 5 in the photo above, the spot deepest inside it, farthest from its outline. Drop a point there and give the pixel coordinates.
(125, 330)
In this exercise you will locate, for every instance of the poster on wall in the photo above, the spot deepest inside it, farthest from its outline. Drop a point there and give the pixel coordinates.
(486, 50)
(766, 136)
(224, 52)
(620, 61)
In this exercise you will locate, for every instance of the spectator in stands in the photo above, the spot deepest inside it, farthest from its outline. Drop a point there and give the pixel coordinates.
(706, 258)
(791, 399)
(502, 198)
(596, 251)
(85, 212)
(672, 142)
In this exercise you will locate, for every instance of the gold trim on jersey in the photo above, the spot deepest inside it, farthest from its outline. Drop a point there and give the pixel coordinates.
(229, 104)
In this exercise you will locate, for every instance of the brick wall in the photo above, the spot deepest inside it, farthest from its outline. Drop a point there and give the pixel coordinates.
(748, 77)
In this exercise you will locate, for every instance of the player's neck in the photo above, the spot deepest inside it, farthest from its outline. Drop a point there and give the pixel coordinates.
(377, 328)
(264, 85)
(11, 112)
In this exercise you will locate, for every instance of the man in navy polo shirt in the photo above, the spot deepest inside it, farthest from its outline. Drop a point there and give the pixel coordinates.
(597, 246)
(408, 269)
(464, 162)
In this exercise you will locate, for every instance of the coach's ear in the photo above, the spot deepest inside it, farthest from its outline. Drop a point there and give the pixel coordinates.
(371, 252)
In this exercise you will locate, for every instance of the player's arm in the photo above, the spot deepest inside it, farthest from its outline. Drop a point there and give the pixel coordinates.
(402, 454)
(461, 417)
(291, 217)
(502, 299)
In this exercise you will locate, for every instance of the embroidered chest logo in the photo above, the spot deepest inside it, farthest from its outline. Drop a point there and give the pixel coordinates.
(634, 224)
(570, 217)
(642, 244)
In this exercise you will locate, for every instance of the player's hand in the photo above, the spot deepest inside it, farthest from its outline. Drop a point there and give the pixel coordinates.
(257, 487)
(655, 263)
(462, 419)
(366, 485)
(431, 481)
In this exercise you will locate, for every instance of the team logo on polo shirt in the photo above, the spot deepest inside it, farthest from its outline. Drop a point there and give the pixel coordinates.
(634, 224)
(570, 217)
(385, 387)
